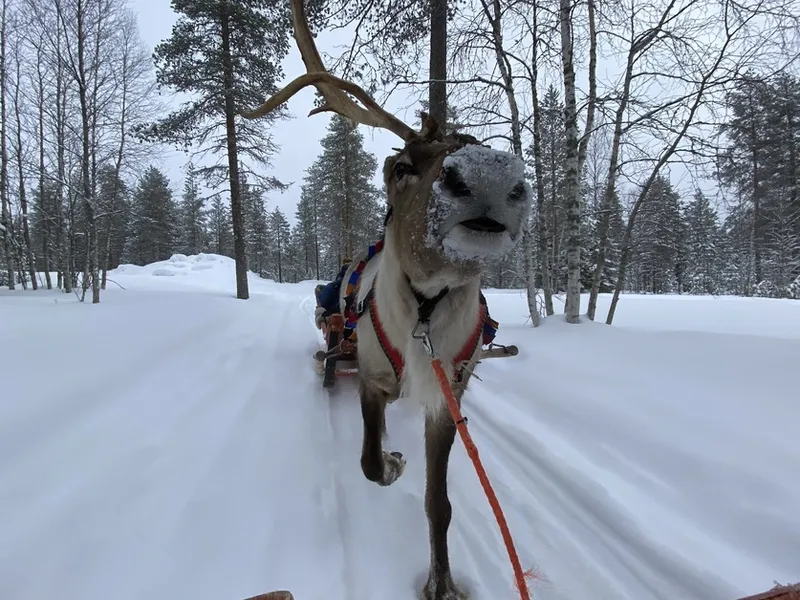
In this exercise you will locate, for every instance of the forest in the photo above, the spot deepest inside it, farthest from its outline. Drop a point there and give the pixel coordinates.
(662, 139)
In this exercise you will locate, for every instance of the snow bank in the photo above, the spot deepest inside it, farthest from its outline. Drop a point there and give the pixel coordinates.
(208, 272)
(725, 315)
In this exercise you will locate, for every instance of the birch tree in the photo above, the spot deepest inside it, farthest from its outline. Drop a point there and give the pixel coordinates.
(19, 151)
(8, 232)
(575, 148)
(741, 36)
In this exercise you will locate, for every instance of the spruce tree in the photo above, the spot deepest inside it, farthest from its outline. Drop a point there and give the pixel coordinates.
(553, 160)
(152, 235)
(257, 234)
(227, 54)
(280, 233)
(220, 231)
(349, 210)
(306, 229)
(761, 166)
(113, 199)
(703, 251)
(192, 216)
(658, 263)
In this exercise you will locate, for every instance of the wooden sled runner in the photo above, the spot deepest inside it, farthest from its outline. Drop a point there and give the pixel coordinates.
(339, 358)
(779, 592)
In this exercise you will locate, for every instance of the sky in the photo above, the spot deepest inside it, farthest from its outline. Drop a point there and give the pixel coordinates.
(299, 137)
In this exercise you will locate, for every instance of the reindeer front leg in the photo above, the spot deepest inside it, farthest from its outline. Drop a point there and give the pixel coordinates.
(440, 431)
(384, 468)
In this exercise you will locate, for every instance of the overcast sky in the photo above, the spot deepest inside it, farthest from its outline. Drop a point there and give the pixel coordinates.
(298, 137)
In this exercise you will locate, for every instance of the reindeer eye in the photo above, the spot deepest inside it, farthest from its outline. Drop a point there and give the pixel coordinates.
(401, 169)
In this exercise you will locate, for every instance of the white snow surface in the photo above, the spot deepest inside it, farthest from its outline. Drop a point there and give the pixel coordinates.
(173, 442)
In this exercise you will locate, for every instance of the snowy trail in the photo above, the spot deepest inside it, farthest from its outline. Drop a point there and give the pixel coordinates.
(203, 460)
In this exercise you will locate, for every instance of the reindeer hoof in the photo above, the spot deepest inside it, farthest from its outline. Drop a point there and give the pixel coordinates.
(393, 466)
(444, 589)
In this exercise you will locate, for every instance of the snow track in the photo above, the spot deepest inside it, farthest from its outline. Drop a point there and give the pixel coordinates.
(174, 442)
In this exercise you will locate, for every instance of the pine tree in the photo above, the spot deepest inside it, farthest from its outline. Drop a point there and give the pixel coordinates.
(257, 236)
(306, 231)
(113, 199)
(280, 233)
(703, 246)
(761, 165)
(192, 216)
(553, 156)
(220, 231)
(153, 232)
(348, 207)
(44, 224)
(742, 165)
(658, 263)
(228, 55)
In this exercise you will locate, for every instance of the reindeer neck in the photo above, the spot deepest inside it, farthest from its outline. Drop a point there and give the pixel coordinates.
(440, 299)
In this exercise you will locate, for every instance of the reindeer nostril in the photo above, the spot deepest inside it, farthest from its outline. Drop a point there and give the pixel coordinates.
(518, 193)
(453, 182)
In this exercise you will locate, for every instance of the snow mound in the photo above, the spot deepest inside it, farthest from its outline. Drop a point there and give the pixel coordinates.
(209, 272)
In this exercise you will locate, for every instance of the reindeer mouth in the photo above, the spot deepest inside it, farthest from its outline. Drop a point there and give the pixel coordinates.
(484, 224)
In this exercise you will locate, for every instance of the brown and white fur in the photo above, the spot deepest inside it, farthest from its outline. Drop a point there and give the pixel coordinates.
(454, 204)
(421, 248)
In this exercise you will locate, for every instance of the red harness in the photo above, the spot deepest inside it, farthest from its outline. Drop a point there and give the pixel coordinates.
(394, 355)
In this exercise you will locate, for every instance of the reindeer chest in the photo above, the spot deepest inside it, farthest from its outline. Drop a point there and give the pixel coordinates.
(415, 351)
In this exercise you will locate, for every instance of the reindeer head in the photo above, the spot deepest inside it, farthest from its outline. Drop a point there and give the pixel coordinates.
(453, 202)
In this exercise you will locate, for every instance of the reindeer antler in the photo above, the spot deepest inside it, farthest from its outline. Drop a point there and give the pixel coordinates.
(331, 87)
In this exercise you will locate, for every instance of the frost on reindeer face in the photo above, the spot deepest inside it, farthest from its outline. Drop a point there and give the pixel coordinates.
(479, 204)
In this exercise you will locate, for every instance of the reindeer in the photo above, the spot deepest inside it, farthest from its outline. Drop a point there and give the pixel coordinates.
(452, 203)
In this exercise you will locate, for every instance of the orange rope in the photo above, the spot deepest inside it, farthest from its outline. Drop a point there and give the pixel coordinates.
(519, 575)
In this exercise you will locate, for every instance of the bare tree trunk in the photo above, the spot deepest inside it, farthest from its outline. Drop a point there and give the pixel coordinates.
(8, 239)
(637, 46)
(46, 210)
(755, 232)
(591, 102)
(239, 247)
(117, 168)
(279, 240)
(541, 217)
(63, 243)
(23, 199)
(571, 183)
(316, 237)
(88, 197)
(437, 89)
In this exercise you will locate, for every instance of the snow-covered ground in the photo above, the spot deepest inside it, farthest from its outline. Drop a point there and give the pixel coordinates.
(176, 443)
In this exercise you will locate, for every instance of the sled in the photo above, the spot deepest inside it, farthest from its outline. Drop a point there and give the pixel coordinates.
(339, 356)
